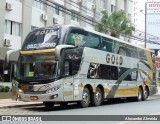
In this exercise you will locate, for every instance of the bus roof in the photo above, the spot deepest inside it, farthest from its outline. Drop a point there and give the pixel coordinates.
(95, 32)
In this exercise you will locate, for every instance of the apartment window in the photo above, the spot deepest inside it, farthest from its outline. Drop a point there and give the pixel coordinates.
(57, 10)
(113, 8)
(102, 3)
(38, 4)
(74, 16)
(7, 27)
(12, 28)
(15, 28)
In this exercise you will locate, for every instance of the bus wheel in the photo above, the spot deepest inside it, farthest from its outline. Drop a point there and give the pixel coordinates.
(49, 105)
(140, 95)
(145, 94)
(85, 98)
(97, 97)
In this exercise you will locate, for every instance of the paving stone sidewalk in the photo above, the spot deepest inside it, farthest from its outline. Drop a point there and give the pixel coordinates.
(13, 103)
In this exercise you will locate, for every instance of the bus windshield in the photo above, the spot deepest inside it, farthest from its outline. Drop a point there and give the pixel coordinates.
(41, 38)
(37, 67)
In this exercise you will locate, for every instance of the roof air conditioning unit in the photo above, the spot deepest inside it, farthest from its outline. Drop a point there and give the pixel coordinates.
(93, 7)
(79, 1)
(44, 17)
(8, 6)
(7, 42)
(55, 20)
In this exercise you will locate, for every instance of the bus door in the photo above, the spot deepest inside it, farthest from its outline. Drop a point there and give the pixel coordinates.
(68, 81)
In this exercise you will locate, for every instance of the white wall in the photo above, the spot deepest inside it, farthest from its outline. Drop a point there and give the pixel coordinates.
(74, 6)
(15, 41)
(122, 4)
(36, 17)
(60, 19)
(61, 2)
(75, 23)
(16, 13)
(89, 10)
(113, 2)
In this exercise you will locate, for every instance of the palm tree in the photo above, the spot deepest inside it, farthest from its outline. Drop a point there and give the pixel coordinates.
(115, 24)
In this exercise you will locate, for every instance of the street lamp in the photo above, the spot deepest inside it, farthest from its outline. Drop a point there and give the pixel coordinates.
(144, 27)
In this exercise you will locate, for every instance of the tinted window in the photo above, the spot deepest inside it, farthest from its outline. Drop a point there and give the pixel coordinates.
(107, 44)
(82, 38)
(142, 54)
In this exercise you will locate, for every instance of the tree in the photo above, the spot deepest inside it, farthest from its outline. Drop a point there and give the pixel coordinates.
(115, 24)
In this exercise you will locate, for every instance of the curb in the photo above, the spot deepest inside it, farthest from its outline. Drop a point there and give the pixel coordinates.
(25, 105)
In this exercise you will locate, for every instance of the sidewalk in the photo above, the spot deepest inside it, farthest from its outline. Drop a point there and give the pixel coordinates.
(10, 103)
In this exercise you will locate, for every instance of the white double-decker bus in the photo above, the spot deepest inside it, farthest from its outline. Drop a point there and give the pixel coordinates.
(64, 63)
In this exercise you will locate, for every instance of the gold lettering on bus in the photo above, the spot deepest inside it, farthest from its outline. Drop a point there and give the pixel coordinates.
(114, 59)
(108, 58)
(120, 60)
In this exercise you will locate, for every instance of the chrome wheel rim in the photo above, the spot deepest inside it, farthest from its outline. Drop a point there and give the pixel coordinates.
(85, 97)
(139, 95)
(98, 97)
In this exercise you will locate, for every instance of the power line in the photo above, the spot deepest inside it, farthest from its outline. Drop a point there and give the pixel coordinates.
(68, 11)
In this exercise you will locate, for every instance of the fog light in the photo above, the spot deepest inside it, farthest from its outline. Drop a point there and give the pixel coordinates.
(54, 96)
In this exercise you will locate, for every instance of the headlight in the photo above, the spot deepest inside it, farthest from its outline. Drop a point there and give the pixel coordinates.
(20, 91)
(53, 89)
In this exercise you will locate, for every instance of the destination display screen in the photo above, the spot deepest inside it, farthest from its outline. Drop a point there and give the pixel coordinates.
(41, 38)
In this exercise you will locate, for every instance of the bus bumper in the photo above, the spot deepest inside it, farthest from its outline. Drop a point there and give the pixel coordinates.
(39, 97)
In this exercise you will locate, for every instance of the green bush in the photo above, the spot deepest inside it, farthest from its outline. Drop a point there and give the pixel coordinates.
(4, 88)
(1, 88)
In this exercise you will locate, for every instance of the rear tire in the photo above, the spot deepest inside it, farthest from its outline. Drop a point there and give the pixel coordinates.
(140, 95)
(96, 98)
(145, 94)
(49, 105)
(85, 98)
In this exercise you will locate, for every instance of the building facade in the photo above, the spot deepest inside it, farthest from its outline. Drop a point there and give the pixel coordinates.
(19, 17)
(138, 18)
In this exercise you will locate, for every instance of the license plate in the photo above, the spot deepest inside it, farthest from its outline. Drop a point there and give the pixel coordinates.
(34, 97)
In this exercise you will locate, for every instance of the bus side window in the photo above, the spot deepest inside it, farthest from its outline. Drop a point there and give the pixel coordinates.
(122, 51)
(106, 45)
(70, 40)
(92, 41)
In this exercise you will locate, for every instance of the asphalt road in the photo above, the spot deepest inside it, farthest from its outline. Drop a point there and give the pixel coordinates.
(122, 107)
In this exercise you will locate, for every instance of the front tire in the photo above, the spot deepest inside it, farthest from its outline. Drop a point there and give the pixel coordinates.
(85, 98)
(96, 99)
